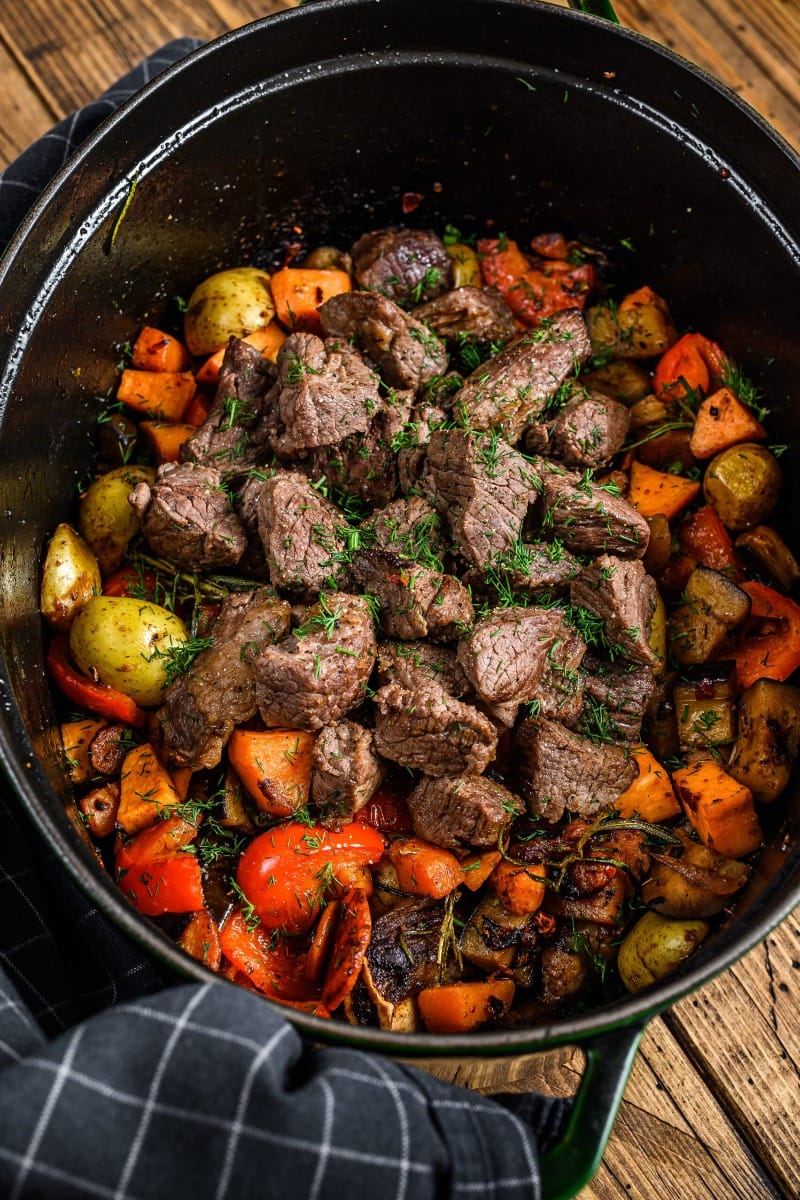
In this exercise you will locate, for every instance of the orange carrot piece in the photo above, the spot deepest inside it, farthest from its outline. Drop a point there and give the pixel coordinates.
(298, 293)
(155, 350)
(478, 867)
(321, 941)
(652, 492)
(268, 340)
(719, 809)
(722, 421)
(165, 438)
(162, 395)
(147, 790)
(160, 840)
(274, 766)
(201, 940)
(76, 737)
(461, 1007)
(521, 889)
(349, 949)
(198, 410)
(425, 869)
(650, 796)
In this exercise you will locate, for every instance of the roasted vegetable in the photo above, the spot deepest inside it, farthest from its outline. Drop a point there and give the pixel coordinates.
(770, 645)
(722, 421)
(275, 767)
(711, 607)
(106, 520)
(127, 644)
(719, 808)
(742, 485)
(466, 267)
(461, 1007)
(769, 738)
(625, 381)
(697, 883)
(493, 935)
(639, 327)
(658, 636)
(705, 706)
(655, 947)
(650, 796)
(231, 303)
(768, 553)
(653, 492)
(70, 577)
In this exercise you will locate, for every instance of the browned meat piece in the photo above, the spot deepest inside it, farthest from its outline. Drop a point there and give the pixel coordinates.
(427, 729)
(406, 662)
(412, 454)
(407, 265)
(321, 671)
(202, 707)
(559, 693)
(558, 771)
(301, 532)
(506, 654)
(623, 595)
(237, 432)
(347, 770)
(365, 464)
(326, 392)
(588, 517)
(458, 811)
(482, 488)
(408, 527)
(469, 314)
(534, 568)
(187, 517)
(406, 352)
(512, 389)
(616, 697)
(414, 601)
(589, 430)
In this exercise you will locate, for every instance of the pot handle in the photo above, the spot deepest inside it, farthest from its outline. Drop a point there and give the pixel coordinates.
(570, 1164)
(596, 8)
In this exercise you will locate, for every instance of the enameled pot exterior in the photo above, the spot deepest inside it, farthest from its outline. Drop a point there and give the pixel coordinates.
(320, 120)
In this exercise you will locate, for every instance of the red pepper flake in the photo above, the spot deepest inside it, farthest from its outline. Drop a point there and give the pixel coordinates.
(411, 201)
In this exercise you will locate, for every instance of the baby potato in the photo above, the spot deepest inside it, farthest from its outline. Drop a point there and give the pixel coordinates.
(742, 485)
(106, 519)
(123, 642)
(466, 268)
(70, 577)
(655, 947)
(230, 303)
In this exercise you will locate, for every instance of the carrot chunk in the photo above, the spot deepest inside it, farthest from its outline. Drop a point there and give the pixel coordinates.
(425, 869)
(165, 438)
(652, 492)
(650, 796)
(268, 340)
(155, 350)
(162, 395)
(521, 889)
(461, 1007)
(719, 809)
(274, 766)
(298, 293)
(722, 421)
(147, 789)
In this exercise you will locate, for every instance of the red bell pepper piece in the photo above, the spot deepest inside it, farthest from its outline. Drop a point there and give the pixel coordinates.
(703, 536)
(128, 581)
(773, 652)
(534, 289)
(689, 366)
(172, 884)
(273, 965)
(96, 697)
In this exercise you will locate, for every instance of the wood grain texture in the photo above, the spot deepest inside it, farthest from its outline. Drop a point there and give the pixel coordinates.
(713, 1105)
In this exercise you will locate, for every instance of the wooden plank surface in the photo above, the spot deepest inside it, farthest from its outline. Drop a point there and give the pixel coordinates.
(713, 1105)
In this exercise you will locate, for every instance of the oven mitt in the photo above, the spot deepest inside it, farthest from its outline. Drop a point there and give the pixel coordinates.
(117, 1079)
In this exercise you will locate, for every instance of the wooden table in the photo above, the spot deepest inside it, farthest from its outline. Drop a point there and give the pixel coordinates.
(713, 1105)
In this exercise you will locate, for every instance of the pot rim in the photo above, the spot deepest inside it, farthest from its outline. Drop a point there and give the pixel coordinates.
(30, 782)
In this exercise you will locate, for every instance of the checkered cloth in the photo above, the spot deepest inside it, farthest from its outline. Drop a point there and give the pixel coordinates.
(118, 1080)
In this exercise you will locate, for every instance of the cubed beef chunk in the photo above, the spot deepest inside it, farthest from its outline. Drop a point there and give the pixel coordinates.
(301, 533)
(406, 352)
(506, 654)
(558, 771)
(237, 433)
(320, 672)
(202, 706)
(408, 527)
(429, 730)
(589, 517)
(414, 600)
(459, 811)
(469, 314)
(623, 595)
(589, 430)
(408, 662)
(326, 392)
(347, 770)
(412, 452)
(616, 698)
(187, 517)
(364, 464)
(559, 693)
(482, 488)
(531, 570)
(512, 389)
(407, 265)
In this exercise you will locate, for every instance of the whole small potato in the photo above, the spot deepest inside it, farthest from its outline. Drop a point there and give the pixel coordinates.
(656, 946)
(229, 304)
(742, 485)
(106, 520)
(126, 643)
(70, 577)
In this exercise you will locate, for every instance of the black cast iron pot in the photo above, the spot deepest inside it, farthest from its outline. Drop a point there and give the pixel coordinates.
(533, 117)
